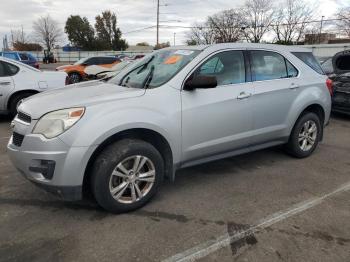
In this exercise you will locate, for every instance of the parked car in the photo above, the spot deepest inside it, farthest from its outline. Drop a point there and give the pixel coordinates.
(97, 72)
(19, 81)
(177, 107)
(340, 79)
(76, 71)
(24, 57)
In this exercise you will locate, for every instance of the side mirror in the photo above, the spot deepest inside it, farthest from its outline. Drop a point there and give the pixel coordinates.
(84, 64)
(201, 81)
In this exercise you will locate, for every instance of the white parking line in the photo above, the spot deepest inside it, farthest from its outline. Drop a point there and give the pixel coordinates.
(209, 247)
(5, 137)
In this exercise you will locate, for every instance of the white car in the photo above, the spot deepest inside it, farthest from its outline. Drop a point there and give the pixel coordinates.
(19, 81)
(98, 72)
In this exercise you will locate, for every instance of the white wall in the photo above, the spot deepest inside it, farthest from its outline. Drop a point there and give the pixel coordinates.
(327, 49)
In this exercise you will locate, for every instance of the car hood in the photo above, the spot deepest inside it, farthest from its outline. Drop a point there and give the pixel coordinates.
(63, 67)
(83, 94)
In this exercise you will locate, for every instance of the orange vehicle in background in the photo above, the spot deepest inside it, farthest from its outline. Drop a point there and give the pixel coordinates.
(76, 71)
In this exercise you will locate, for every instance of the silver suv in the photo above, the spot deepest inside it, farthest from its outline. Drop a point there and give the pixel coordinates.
(175, 108)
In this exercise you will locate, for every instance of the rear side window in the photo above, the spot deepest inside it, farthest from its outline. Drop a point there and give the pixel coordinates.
(309, 59)
(268, 65)
(7, 69)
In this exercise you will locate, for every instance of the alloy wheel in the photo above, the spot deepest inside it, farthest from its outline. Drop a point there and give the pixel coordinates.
(132, 179)
(307, 135)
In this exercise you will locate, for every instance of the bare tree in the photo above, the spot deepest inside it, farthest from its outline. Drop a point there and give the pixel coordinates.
(200, 34)
(344, 21)
(47, 32)
(226, 26)
(223, 27)
(258, 15)
(292, 20)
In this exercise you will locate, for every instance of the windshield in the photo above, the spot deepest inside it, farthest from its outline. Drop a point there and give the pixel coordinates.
(80, 61)
(158, 68)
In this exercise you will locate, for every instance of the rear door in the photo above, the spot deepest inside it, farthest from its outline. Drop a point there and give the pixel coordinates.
(6, 82)
(276, 86)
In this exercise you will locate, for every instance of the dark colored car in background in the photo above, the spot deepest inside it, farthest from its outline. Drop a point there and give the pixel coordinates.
(24, 57)
(338, 71)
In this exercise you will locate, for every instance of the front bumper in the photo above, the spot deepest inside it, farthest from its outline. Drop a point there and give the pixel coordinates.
(66, 175)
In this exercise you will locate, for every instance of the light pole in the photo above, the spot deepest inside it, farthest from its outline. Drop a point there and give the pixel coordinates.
(157, 22)
(319, 38)
(174, 39)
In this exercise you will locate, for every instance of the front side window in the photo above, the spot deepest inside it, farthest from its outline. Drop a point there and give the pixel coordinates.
(23, 57)
(157, 69)
(228, 68)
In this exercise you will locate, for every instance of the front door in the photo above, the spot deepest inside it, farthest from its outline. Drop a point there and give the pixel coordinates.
(218, 120)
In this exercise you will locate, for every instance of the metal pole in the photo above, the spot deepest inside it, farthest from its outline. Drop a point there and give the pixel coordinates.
(319, 39)
(174, 39)
(157, 22)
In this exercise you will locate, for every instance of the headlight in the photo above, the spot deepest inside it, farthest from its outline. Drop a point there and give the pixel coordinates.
(55, 123)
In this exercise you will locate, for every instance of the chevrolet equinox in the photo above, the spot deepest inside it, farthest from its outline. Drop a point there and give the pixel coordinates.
(175, 108)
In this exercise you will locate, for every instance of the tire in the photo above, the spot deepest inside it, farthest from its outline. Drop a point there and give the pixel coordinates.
(74, 78)
(302, 143)
(14, 102)
(122, 154)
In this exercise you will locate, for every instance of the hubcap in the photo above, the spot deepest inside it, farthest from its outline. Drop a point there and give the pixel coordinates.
(307, 135)
(132, 179)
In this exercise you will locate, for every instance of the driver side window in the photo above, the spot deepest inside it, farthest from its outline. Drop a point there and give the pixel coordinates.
(228, 68)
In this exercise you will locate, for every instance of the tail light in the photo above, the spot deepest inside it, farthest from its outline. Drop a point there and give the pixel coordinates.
(329, 84)
(36, 65)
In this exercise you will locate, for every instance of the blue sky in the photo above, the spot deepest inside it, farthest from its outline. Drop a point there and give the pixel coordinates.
(132, 14)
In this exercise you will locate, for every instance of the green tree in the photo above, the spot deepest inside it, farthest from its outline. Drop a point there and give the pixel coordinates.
(80, 32)
(108, 34)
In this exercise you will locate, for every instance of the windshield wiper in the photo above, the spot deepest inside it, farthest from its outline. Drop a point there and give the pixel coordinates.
(142, 67)
(148, 78)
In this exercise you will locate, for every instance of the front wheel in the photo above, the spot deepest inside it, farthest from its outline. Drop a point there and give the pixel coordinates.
(305, 135)
(126, 175)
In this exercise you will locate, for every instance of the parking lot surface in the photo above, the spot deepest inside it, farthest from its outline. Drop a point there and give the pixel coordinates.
(262, 206)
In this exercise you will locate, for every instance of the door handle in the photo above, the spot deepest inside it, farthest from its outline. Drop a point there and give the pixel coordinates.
(5, 83)
(243, 95)
(293, 86)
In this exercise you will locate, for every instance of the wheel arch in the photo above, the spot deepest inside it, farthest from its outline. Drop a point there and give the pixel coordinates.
(318, 110)
(147, 135)
(23, 91)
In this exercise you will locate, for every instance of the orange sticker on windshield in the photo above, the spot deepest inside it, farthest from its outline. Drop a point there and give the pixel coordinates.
(173, 59)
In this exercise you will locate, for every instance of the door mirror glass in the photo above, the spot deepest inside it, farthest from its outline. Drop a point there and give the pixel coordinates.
(201, 81)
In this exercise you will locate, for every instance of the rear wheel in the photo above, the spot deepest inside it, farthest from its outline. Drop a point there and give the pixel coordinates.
(305, 135)
(126, 175)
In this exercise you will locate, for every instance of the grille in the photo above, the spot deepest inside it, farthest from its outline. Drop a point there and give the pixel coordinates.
(17, 139)
(24, 117)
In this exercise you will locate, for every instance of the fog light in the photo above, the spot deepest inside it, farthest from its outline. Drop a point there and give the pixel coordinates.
(45, 167)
